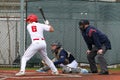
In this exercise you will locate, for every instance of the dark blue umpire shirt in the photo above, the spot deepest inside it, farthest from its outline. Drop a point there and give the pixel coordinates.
(93, 36)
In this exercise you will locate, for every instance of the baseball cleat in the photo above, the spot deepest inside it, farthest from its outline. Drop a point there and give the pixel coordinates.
(92, 71)
(21, 73)
(40, 70)
(104, 73)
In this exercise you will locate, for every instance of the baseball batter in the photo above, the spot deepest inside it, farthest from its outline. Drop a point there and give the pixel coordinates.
(38, 44)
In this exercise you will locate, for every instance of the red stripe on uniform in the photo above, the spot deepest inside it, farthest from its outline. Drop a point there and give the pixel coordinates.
(90, 32)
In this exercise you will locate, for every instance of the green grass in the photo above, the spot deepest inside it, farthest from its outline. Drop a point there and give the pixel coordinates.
(114, 68)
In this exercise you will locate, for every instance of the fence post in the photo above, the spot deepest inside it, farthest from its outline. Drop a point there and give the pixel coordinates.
(22, 29)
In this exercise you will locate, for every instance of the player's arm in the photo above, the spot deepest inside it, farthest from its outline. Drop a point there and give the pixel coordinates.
(51, 29)
(61, 59)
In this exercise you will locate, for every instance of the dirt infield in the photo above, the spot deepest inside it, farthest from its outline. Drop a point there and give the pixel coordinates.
(33, 75)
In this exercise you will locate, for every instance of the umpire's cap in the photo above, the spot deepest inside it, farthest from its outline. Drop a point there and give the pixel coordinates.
(84, 22)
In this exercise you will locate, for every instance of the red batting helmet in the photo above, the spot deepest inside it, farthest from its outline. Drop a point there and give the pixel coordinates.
(32, 18)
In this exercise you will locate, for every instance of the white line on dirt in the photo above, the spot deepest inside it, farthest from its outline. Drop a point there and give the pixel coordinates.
(27, 76)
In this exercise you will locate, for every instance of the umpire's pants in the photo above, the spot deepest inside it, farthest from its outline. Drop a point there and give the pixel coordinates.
(100, 57)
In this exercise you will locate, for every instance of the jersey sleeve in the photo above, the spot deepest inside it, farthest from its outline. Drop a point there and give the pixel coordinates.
(46, 27)
(61, 59)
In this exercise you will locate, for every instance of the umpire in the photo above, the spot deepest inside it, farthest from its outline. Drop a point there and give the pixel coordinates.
(97, 43)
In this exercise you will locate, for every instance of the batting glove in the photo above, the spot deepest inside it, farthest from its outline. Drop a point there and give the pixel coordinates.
(46, 22)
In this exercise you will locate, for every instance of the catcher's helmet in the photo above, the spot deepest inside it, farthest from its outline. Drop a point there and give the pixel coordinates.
(83, 22)
(58, 44)
(32, 18)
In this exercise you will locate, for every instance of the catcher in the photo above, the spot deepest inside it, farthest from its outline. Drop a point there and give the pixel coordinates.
(62, 59)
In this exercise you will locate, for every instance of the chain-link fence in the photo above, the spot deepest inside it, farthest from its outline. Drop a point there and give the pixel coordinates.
(9, 30)
(64, 15)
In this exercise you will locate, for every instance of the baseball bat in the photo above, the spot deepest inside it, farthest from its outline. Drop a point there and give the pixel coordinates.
(42, 13)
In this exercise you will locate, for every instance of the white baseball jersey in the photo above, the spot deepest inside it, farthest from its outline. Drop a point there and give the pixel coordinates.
(36, 30)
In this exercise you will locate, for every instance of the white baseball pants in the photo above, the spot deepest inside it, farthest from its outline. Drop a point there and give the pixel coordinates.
(37, 46)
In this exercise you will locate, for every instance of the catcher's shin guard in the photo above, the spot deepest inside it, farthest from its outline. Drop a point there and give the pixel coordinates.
(67, 69)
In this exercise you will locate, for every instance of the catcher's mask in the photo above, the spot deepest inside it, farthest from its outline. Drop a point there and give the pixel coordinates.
(32, 18)
(82, 24)
(58, 46)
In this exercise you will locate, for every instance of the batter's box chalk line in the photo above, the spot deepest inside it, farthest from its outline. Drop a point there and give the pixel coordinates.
(59, 75)
(52, 76)
(27, 76)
